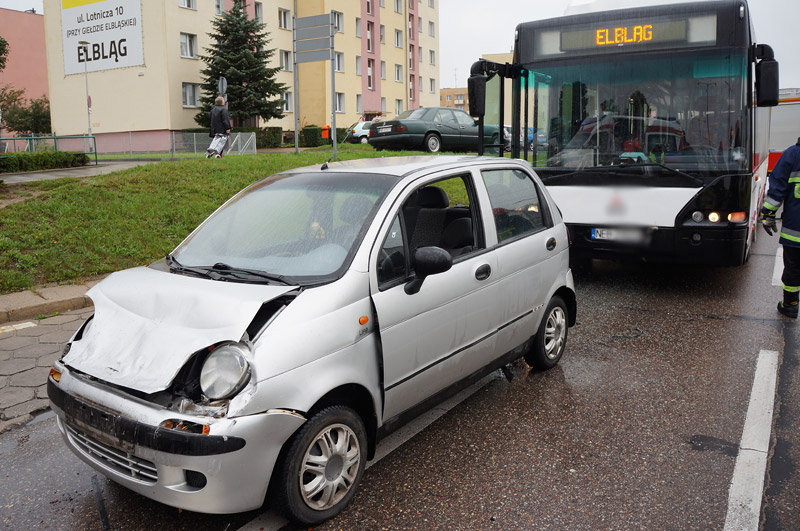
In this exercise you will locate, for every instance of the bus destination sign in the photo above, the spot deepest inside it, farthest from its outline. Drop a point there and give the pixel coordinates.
(622, 35)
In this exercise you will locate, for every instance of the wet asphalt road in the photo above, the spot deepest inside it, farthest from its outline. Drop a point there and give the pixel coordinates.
(638, 427)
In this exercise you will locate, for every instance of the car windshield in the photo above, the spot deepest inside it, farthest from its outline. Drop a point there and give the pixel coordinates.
(413, 114)
(686, 111)
(302, 226)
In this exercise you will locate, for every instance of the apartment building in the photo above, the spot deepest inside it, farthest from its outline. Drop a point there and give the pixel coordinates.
(454, 97)
(143, 68)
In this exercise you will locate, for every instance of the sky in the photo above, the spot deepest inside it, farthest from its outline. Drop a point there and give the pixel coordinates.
(467, 29)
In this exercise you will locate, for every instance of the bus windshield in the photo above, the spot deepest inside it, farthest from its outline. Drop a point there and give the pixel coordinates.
(682, 110)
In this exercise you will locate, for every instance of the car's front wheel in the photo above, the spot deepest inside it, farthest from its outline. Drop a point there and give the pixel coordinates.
(322, 466)
(551, 338)
(433, 144)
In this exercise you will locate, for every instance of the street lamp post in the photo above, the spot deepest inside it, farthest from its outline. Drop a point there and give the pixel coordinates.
(85, 45)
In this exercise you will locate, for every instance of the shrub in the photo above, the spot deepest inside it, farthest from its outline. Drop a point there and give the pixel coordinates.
(311, 136)
(41, 161)
(273, 137)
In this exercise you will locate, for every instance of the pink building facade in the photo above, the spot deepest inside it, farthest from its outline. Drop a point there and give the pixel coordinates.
(26, 65)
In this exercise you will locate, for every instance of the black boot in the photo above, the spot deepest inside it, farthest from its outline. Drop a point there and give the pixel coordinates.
(789, 305)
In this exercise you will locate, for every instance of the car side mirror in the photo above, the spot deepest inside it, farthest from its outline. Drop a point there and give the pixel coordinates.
(428, 261)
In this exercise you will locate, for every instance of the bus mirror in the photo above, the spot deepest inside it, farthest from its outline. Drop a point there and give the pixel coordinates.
(767, 86)
(476, 90)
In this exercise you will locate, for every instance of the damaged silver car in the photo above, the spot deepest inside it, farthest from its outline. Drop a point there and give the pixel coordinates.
(311, 315)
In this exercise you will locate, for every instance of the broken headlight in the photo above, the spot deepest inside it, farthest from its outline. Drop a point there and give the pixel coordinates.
(226, 371)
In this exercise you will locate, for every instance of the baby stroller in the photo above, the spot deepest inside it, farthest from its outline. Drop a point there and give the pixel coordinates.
(214, 150)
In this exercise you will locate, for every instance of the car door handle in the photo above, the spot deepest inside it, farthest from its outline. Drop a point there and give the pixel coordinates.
(483, 272)
(551, 244)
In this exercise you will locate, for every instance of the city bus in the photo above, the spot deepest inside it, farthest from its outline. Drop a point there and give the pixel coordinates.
(655, 126)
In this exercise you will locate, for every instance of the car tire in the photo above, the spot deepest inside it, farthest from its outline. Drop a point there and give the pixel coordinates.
(433, 144)
(345, 463)
(551, 338)
(364, 140)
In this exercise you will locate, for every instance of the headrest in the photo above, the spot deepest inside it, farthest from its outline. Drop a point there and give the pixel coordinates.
(432, 197)
(458, 233)
(355, 209)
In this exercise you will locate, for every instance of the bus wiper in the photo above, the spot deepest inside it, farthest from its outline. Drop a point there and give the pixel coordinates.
(225, 269)
(177, 267)
(650, 164)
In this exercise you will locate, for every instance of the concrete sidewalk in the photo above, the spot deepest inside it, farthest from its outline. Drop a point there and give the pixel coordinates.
(44, 301)
(83, 171)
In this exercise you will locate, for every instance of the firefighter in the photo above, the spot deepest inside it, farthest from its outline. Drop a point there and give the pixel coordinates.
(784, 188)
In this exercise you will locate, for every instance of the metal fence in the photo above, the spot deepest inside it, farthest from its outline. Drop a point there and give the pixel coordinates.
(131, 145)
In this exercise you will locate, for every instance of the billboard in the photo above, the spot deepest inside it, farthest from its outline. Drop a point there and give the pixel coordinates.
(113, 29)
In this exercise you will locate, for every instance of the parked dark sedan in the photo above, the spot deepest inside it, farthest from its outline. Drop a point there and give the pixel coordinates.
(433, 129)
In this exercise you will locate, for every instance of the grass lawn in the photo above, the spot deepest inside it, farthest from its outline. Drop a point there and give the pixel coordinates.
(68, 229)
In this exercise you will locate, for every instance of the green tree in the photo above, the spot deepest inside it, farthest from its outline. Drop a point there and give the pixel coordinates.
(3, 52)
(33, 118)
(239, 53)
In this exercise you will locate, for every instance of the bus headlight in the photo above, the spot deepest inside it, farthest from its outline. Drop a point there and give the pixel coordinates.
(225, 372)
(697, 216)
(713, 217)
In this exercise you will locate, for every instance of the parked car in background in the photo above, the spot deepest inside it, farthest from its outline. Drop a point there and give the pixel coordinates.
(432, 129)
(358, 132)
(310, 315)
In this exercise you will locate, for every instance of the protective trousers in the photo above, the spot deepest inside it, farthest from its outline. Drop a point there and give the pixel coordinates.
(791, 281)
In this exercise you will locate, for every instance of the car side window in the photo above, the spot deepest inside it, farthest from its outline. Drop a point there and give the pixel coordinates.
(392, 257)
(464, 118)
(444, 116)
(515, 202)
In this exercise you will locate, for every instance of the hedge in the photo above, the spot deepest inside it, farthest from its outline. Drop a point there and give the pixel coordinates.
(311, 136)
(44, 160)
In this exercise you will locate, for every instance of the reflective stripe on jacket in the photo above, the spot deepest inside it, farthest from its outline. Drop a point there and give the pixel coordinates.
(784, 189)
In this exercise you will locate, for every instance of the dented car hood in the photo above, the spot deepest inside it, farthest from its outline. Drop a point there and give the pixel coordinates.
(148, 323)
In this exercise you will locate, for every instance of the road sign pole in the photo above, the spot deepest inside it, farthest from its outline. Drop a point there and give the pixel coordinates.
(333, 91)
(296, 95)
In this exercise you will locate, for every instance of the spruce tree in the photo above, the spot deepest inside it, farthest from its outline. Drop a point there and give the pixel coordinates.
(239, 53)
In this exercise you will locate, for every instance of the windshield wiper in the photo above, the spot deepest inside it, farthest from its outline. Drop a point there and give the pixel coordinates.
(225, 269)
(650, 164)
(177, 267)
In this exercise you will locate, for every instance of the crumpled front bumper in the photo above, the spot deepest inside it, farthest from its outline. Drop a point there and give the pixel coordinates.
(225, 471)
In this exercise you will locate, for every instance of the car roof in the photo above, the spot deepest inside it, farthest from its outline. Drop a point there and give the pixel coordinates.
(407, 166)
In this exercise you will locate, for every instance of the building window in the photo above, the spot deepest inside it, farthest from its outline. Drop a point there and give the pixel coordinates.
(284, 19)
(383, 69)
(398, 107)
(369, 7)
(358, 103)
(370, 30)
(358, 65)
(433, 86)
(419, 24)
(398, 38)
(431, 29)
(411, 87)
(449, 98)
(383, 105)
(383, 34)
(188, 4)
(286, 60)
(340, 102)
(398, 73)
(287, 102)
(432, 57)
(382, 3)
(430, 3)
(398, 6)
(259, 12)
(338, 21)
(411, 57)
(410, 26)
(188, 45)
(219, 6)
(370, 70)
(338, 61)
(191, 95)
(420, 84)
(358, 27)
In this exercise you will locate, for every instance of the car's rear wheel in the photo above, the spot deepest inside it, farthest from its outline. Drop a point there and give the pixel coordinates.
(364, 140)
(433, 144)
(551, 338)
(322, 466)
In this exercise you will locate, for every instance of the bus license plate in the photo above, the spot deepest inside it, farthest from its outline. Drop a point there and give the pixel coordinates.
(618, 235)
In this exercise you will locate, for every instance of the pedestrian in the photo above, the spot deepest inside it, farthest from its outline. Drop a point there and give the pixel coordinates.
(220, 121)
(784, 188)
